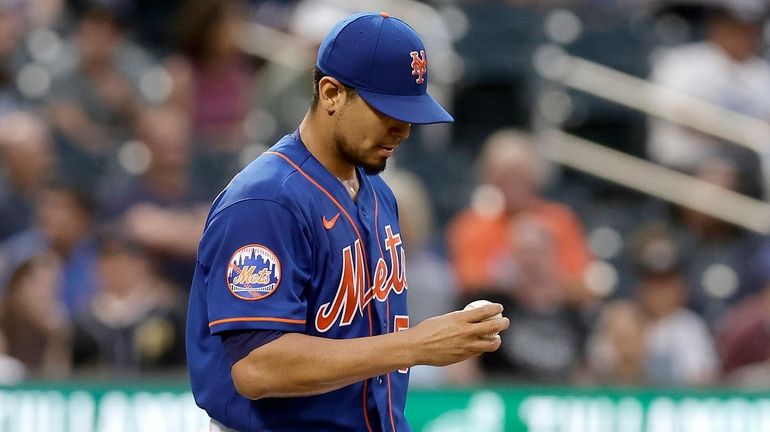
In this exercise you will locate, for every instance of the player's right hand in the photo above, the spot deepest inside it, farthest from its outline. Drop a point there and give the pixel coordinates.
(457, 336)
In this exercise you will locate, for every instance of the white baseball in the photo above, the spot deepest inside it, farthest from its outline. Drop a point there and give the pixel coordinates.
(480, 303)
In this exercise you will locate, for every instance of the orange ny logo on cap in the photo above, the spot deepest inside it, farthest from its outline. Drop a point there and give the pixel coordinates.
(419, 65)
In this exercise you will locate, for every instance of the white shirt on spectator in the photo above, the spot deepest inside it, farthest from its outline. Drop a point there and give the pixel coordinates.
(680, 350)
(705, 71)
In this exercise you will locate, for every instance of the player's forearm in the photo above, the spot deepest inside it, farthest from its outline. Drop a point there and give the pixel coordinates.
(302, 365)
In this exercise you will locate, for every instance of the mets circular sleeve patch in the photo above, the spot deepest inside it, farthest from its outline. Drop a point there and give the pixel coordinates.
(253, 272)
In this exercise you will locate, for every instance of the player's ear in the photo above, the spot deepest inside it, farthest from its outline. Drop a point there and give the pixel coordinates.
(331, 94)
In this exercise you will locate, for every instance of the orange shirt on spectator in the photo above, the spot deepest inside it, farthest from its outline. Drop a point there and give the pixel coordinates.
(479, 245)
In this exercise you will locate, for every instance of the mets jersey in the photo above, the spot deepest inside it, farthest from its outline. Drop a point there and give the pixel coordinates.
(286, 248)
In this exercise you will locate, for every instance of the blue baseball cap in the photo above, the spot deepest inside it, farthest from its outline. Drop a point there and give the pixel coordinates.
(384, 60)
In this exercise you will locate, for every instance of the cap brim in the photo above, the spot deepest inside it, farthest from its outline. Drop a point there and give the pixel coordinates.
(415, 109)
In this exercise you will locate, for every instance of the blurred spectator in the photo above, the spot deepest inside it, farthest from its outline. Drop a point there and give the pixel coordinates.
(479, 238)
(725, 69)
(63, 225)
(744, 332)
(679, 347)
(44, 13)
(755, 376)
(26, 164)
(213, 79)
(29, 45)
(545, 341)
(12, 371)
(744, 339)
(719, 171)
(616, 350)
(165, 207)
(718, 265)
(432, 289)
(145, 21)
(34, 320)
(135, 322)
(95, 95)
(11, 60)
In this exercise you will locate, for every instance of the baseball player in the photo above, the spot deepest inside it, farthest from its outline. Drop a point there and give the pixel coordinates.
(297, 317)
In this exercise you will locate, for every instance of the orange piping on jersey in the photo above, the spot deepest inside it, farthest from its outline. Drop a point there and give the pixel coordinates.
(254, 319)
(371, 333)
(376, 218)
(369, 309)
(360, 238)
(387, 301)
(366, 409)
(390, 403)
(371, 330)
(331, 197)
(321, 188)
(390, 407)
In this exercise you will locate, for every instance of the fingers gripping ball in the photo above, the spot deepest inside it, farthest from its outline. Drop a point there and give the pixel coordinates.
(480, 303)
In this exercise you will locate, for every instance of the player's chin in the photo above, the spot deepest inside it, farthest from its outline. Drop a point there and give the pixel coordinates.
(375, 165)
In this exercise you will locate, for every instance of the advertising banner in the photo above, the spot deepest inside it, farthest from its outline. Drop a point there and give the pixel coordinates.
(156, 407)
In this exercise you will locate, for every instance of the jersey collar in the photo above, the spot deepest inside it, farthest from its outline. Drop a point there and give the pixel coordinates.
(299, 154)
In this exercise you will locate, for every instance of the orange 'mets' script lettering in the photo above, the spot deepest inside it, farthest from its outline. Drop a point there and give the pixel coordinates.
(352, 294)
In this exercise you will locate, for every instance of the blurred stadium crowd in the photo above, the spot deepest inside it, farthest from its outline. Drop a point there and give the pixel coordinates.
(120, 121)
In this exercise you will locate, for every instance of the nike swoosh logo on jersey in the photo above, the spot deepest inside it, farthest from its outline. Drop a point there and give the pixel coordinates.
(329, 224)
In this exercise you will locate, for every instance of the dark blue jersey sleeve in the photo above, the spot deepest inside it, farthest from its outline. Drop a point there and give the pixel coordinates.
(256, 260)
(239, 343)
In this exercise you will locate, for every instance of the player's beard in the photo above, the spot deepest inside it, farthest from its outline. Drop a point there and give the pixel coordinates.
(354, 153)
(358, 156)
